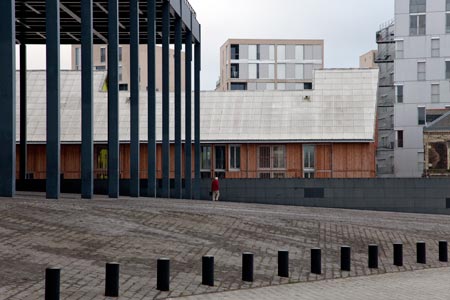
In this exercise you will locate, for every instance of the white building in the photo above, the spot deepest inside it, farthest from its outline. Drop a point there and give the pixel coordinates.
(422, 74)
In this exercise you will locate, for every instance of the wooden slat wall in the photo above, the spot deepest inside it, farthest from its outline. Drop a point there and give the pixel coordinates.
(332, 161)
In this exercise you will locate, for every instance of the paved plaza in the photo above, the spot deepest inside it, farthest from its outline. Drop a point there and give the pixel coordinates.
(81, 236)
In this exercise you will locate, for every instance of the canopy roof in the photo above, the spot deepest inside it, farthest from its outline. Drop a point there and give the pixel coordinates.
(30, 21)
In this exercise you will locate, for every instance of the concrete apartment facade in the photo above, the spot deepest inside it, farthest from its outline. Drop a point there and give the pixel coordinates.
(422, 74)
(255, 64)
(100, 57)
(367, 60)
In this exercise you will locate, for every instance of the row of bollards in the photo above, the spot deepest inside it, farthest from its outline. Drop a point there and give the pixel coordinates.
(52, 275)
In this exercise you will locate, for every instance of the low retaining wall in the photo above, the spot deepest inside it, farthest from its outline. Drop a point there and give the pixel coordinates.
(418, 195)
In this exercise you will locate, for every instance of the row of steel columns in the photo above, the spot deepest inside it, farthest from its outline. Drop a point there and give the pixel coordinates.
(53, 179)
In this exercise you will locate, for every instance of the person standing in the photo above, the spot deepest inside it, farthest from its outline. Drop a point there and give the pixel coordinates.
(215, 189)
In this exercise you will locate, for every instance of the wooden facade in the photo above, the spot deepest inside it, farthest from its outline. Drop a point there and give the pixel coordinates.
(331, 160)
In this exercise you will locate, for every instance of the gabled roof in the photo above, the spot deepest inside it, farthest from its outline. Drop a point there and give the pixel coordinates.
(440, 124)
(341, 108)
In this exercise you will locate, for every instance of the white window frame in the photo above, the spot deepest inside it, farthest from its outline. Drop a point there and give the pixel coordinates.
(281, 52)
(421, 76)
(230, 153)
(417, 29)
(397, 94)
(308, 170)
(281, 69)
(103, 56)
(435, 51)
(435, 97)
(272, 156)
(202, 169)
(399, 51)
(224, 157)
(252, 52)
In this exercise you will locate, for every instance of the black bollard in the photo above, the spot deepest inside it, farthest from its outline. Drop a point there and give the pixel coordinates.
(346, 254)
(443, 251)
(421, 253)
(316, 261)
(373, 256)
(283, 263)
(163, 274)
(52, 282)
(208, 270)
(398, 254)
(112, 280)
(247, 266)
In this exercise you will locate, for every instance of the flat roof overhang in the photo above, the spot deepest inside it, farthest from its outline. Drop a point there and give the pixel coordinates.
(30, 21)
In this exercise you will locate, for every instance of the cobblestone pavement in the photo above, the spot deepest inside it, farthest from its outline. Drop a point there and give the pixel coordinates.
(423, 284)
(81, 236)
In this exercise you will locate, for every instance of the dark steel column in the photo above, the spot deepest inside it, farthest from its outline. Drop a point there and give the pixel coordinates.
(197, 69)
(23, 111)
(188, 118)
(178, 152)
(134, 110)
(165, 190)
(151, 94)
(7, 98)
(113, 99)
(53, 148)
(87, 99)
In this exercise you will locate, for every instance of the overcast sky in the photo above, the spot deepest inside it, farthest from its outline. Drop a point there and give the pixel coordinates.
(347, 26)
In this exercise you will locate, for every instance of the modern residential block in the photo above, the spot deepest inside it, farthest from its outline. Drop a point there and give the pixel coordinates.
(422, 75)
(252, 64)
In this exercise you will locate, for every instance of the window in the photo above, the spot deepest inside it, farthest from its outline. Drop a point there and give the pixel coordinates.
(399, 49)
(308, 161)
(435, 47)
(234, 70)
(205, 160)
(234, 51)
(417, 24)
(299, 52)
(421, 71)
(78, 58)
(399, 93)
(281, 71)
(120, 73)
(120, 53)
(100, 68)
(253, 71)
(308, 85)
(272, 157)
(435, 93)
(252, 52)
(272, 52)
(299, 71)
(447, 70)
(421, 115)
(447, 16)
(271, 71)
(238, 86)
(235, 157)
(417, 6)
(281, 52)
(219, 158)
(102, 54)
(400, 138)
(102, 162)
(123, 87)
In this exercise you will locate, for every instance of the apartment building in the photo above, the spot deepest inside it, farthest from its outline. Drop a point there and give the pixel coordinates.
(422, 75)
(100, 56)
(252, 64)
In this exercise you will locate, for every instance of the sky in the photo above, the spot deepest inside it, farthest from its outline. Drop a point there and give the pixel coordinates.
(347, 27)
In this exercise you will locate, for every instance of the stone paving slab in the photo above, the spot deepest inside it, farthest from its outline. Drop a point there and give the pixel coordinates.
(432, 284)
(80, 236)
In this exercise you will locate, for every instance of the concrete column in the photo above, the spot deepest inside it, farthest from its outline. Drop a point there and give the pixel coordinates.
(7, 98)
(87, 99)
(53, 148)
(113, 98)
(23, 111)
(165, 190)
(134, 110)
(178, 152)
(197, 69)
(188, 118)
(151, 93)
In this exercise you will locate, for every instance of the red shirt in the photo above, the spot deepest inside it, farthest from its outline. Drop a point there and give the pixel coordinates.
(215, 185)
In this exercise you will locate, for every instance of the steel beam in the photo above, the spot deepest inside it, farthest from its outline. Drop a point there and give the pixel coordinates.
(134, 103)
(178, 152)
(113, 98)
(165, 190)
(7, 98)
(197, 69)
(188, 118)
(23, 111)
(53, 148)
(151, 94)
(87, 99)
